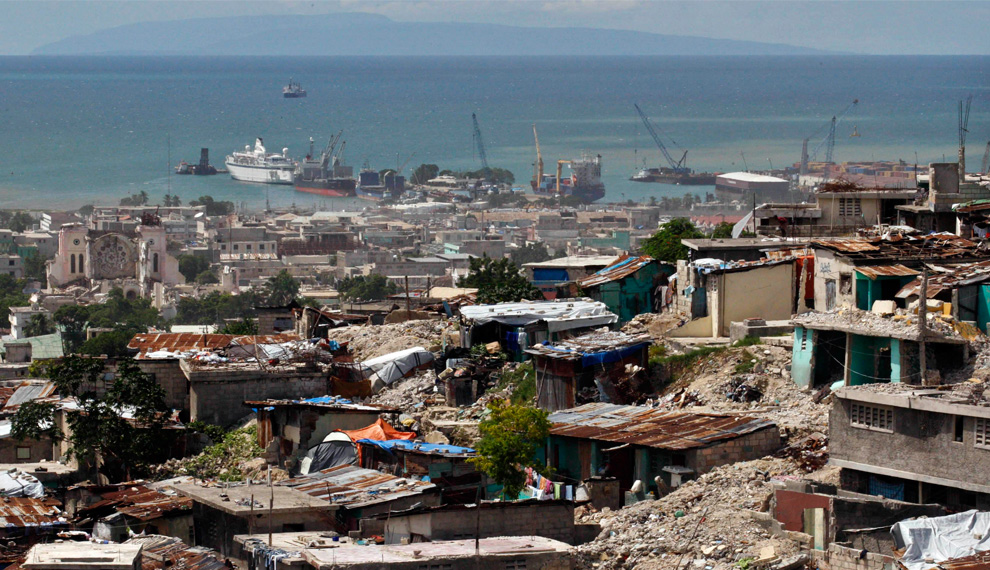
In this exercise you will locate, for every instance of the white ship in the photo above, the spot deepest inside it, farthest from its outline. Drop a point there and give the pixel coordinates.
(260, 166)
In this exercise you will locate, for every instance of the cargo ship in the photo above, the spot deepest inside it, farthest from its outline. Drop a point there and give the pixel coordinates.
(375, 186)
(293, 91)
(584, 183)
(681, 176)
(326, 175)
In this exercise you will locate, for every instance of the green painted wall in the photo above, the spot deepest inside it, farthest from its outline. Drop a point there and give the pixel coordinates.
(983, 307)
(801, 356)
(630, 296)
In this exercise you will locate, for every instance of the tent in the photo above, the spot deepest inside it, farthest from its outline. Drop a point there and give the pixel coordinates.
(335, 449)
(386, 369)
(378, 431)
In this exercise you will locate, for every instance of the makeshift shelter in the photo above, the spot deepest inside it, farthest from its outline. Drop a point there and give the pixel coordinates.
(378, 431)
(335, 449)
(929, 542)
(385, 370)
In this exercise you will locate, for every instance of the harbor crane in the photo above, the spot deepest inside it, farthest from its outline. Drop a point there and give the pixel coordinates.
(678, 167)
(985, 167)
(963, 129)
(478, 143)
(828, 142)
(560, 165)
(538, 171)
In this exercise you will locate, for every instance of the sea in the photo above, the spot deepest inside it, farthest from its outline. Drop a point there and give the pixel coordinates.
(91, 130)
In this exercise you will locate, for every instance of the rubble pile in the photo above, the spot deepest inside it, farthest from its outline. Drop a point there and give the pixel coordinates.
(654, 324)
(755, 379)
(368, 341)
(704, 524)
(408, 393)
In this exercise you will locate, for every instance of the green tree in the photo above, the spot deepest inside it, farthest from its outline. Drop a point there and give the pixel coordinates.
(206, 277)
(216, 308)
(243, 326)
(11, 295)
(72, 320)
(280, 290)
(665, 245)
(139, 199)
(86, 210)
(121, 448)
(510, 436)
(20, 222)
(722, 231)
(191, 265)
(39, 324)
(171, 201)
(530, 253)
(35, 267)
(498, 281)
(366, 287)
(110, 343)
(424, 172)
(213, 208)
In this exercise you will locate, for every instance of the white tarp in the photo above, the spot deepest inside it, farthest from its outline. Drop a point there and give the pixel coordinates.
(562, 314)
(941, 538)
(386, 369)
(14, 483)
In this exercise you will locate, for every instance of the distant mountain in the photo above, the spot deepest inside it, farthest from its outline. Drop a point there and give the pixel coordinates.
(356, 34)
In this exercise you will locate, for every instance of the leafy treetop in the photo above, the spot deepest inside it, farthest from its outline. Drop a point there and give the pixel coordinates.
(498, 281)
(665, 245)
(510, 436)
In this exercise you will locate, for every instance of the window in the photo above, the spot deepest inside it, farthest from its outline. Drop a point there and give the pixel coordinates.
(958, 436)
(982, 433)
(850, 207)
(519, 564)
(223, 246)
(24, 453)
(154, 263)
(846, 283)
(11, 262)
(249, 247)
(72, 263)
(261, 247)
(81, 270)
(878, 418)
(235, 247)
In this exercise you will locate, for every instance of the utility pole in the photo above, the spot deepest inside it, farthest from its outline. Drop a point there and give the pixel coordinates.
(408, 311)
(923, 323)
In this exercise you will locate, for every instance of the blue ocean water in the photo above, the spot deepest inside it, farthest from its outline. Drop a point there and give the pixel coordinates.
(76, 130)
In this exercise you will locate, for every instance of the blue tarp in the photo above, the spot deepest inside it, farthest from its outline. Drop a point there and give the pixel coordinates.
(391, 444)
(551, 275)
(326, 400)
(605, 357)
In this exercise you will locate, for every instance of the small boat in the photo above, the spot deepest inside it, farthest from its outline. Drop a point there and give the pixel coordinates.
(293, 91)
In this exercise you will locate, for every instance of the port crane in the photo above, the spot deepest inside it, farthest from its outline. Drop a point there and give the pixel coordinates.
(828, 142)
(479, 144)
(963, 129)
(538, 172)
(678, 167)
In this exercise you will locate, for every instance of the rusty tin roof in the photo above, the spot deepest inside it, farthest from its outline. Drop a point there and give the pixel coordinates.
(898, 270)
(181, 342)
(620, 268)
(351, 487)
(649, 427)
(22, 512)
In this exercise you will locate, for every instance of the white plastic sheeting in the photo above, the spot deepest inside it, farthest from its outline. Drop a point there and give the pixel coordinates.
(386, 369)
(941, 538)
(562, 314)
(14, 483)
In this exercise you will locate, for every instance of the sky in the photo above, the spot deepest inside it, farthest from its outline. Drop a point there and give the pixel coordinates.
(905, 27)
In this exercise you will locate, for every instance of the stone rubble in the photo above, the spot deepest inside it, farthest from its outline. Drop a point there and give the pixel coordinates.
(367, 341)
(704, 524)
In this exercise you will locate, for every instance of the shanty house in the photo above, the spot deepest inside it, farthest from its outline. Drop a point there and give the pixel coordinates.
(859, 347)
(591, 367)
(721, 293)
(641, 443)
(626, 286)
(354, 493)
(517, 326)
(857, 272)
(963, 285)
(112, 512)
(295, 426)
(546, 275)
(913, 444)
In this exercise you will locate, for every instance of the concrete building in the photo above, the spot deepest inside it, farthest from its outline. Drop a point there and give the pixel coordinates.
(20, 318)
(553, 519)
(546, 275)
(83, 555)
(858, 347)
(894, 441)
(12, 264)
(639, 443)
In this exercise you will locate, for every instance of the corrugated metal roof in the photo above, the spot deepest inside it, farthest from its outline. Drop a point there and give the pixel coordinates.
(159, 552)
(21, 512)
(138, 501)
(620, 268)
(352, 487)
(932, 246)
(948, 276)
(898, 270)
(180, 342)
(595, 342)
(651, 427)
(27, 392)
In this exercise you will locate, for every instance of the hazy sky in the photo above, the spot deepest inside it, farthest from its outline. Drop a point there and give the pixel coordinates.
(861, 26)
